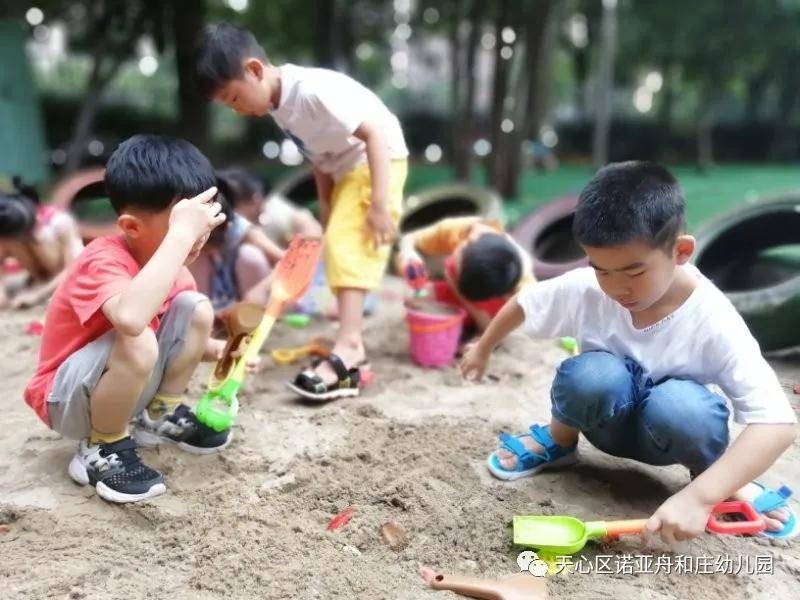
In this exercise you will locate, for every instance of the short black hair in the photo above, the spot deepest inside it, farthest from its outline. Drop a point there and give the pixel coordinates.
(149, 172)
(220, 53)
(239, 185)
(17, 215)
(628, 202)
(490, 267)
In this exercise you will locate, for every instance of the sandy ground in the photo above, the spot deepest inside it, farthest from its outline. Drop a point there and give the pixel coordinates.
(250, 523)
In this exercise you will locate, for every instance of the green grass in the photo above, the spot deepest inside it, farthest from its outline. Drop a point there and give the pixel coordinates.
(720, 190)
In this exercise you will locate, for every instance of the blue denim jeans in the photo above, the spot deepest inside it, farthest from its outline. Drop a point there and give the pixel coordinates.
(620, 412)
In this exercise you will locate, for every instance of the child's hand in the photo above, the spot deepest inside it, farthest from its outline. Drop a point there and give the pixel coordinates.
(682, 517)
(474, 363)
(216, 348)
(380, 225)
(196, 217)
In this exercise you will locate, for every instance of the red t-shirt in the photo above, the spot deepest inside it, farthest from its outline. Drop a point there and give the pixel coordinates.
(73, 318)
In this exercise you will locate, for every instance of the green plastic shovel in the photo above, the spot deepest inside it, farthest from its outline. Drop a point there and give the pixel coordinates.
(568, 535)
(219, 406)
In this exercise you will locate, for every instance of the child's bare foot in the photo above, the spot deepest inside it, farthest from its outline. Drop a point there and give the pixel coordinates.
(509, 461)
(774, 519)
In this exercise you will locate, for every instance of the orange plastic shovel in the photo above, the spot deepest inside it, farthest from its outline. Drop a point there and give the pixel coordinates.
(522, 586)
(219, 406)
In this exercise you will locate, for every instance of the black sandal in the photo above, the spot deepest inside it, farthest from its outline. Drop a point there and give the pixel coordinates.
(310, 385)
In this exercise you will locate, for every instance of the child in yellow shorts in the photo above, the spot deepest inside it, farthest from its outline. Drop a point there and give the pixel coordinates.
(359, 155)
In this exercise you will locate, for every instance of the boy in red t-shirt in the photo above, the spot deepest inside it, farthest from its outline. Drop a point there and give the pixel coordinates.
(126, 329)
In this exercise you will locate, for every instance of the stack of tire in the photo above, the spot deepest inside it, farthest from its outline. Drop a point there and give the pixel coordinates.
(84, 186)
(547, 234)
(753, 256)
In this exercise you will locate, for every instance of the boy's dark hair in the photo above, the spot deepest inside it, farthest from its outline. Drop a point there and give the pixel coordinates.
(220, 53)
(239, 185)
(629, 202)
(217, 235)
(150, 172)
(490, 267)
(18, 209)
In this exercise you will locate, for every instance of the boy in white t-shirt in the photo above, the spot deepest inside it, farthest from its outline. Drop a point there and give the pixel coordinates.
(359, 155)
(654, 333)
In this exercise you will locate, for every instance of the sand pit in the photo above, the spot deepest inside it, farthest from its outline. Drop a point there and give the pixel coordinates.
(250, 523)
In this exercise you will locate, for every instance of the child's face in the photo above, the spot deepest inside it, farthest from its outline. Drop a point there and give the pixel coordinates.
(145, 231)
(635, 274)
(250, 95)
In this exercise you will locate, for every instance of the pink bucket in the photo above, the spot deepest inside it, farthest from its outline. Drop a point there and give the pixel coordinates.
(434, 330)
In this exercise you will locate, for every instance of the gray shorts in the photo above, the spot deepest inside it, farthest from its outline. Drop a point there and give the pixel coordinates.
(76, 378)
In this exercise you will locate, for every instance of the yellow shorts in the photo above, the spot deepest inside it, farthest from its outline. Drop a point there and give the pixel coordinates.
(351, 259)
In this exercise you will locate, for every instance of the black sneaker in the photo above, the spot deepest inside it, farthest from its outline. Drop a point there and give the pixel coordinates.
(116, 471)
(180, 427)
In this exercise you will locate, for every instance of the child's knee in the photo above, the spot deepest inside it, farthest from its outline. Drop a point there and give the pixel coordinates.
(203, 317)
(587, 388)
(136, 353)
(687, 419)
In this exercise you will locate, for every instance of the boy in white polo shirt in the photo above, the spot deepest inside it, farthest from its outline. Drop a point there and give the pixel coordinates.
(359, 155)
(654, 333)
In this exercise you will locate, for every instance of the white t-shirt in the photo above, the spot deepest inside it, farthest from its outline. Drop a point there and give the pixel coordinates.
(704, 340)
(320, 109)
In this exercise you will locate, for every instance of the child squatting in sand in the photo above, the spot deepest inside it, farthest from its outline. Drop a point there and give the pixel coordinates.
(654, 333)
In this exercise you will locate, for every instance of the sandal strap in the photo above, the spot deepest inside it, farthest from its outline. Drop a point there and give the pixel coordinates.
(311, 382)
(516, 447)
(337, 363)
(542, 435)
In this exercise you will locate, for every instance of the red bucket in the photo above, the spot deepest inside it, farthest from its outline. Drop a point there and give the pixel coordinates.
(434, 332)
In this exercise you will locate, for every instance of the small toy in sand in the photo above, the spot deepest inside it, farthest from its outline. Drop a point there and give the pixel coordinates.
(297, 320)
(522, 586)
(394, 535)
(219, 406)
(416, 277)
(34, 327)
(568, 535)
(570, 344)
(434, 331)
(341, 519)
(317, 347)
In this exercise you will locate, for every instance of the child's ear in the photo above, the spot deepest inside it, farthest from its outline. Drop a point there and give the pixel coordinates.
(130, 225)
(255, 67)
(684, 248)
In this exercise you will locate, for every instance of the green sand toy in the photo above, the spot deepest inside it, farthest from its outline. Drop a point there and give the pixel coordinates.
(219, 406)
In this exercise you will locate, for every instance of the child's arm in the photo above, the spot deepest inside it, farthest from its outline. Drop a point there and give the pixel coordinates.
(259, 293)
(132, 310)
(379, 220)
(69, 242)
(324, 189)
(685, 514)
(511, 316)
(305, 225)
(260, 240)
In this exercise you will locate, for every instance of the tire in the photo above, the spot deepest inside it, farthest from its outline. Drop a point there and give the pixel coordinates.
(70, 191)
(547, 234)
(764, 288)
(451, 200)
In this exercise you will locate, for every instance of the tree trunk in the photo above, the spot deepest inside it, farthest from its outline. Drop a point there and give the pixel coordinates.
(464, 121)
(499, 92)
(605, 83)
(98, 81)
(193, 110)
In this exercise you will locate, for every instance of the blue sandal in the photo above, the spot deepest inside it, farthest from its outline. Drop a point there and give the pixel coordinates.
(530, 463)
(770, 500)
